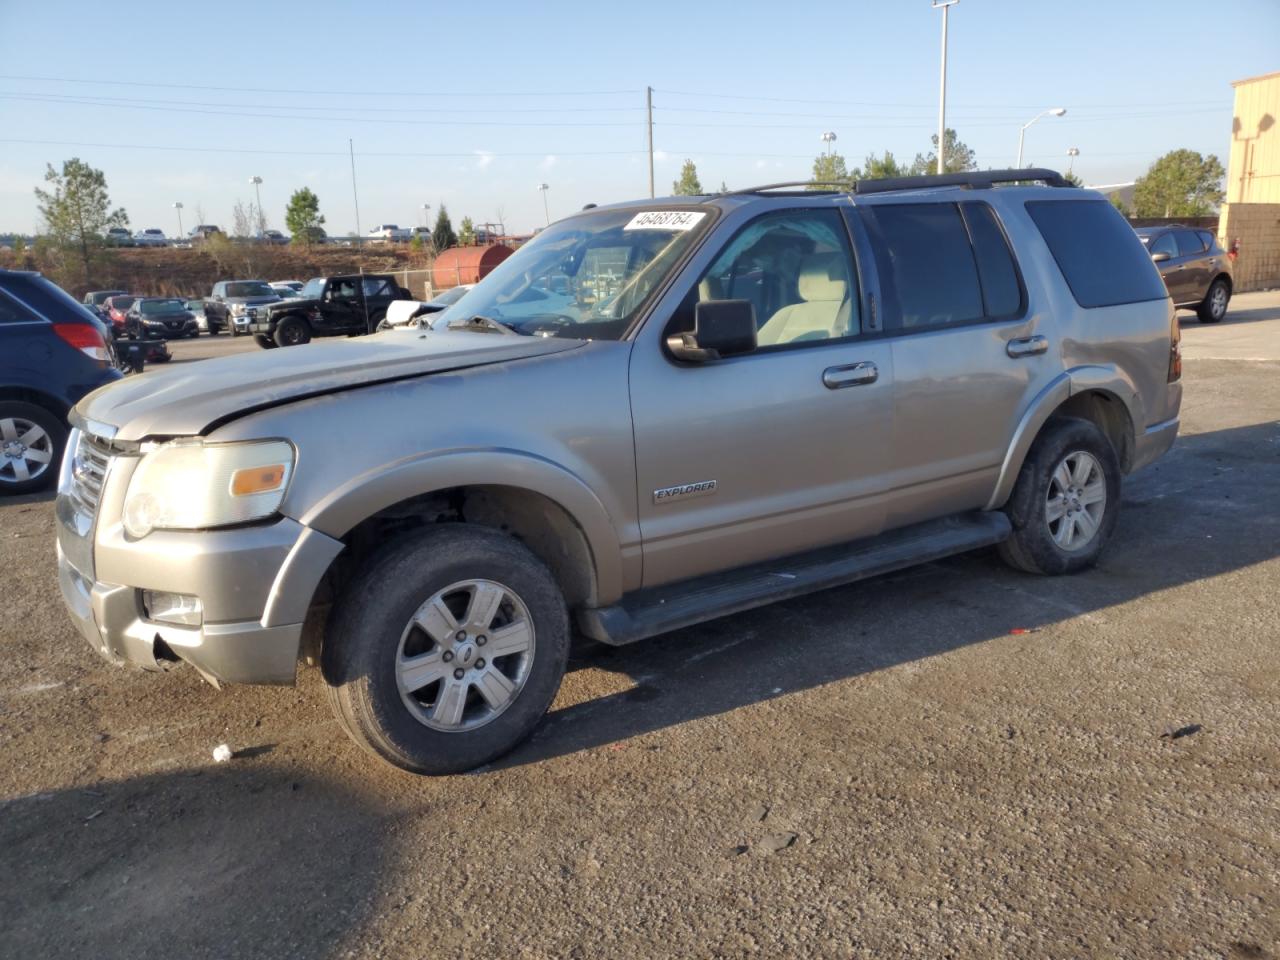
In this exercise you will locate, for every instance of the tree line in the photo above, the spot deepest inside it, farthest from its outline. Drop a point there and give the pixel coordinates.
(76, 207)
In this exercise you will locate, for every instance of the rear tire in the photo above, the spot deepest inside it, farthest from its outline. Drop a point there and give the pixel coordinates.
(435, 607)
(1066, 500)
(292, 332)
(31, 444)
(1214, 306)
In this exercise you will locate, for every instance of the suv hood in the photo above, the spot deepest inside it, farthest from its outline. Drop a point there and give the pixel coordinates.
(189, 401)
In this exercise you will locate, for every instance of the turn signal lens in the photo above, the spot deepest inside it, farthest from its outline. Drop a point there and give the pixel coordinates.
(254, 480)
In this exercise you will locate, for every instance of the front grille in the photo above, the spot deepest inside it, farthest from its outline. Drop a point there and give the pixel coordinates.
(88, 472)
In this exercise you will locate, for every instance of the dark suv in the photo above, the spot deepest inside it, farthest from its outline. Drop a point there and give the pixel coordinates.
(1195, 268)
(329, 307)
(52, 352)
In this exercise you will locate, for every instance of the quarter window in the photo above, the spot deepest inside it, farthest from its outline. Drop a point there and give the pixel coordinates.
(9, 313)
(796, 270)
(1097, 251)
(927, 266)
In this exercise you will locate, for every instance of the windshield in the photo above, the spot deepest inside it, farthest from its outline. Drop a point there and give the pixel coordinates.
(312, 289)
(161, 306)
(250, 288)
(585, 277)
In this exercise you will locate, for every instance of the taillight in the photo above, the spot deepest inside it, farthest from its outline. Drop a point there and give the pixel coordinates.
(1175, 350)
(84, 338)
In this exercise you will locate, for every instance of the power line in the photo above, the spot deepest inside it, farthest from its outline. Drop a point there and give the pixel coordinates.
(875, 103)
(107, 101)
(102, 81)
(324, 153)
(88, 102)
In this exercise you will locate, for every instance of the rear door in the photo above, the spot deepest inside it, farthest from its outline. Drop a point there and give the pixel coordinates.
(969, 351)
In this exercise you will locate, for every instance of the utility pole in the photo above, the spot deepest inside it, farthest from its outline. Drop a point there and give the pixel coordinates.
(648, 103)
(178, 206)
(262, 223)
(944, 6)
(355, 196)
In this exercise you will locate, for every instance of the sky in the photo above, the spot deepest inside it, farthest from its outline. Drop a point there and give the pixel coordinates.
(474, 105)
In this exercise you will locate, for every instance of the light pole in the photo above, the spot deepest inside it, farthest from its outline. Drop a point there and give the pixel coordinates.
(544, 187)
(1072, 153)
(178, 206)
(829, 138)
(1054, 112)
(426, 214)
(257, 181)
(944, 6)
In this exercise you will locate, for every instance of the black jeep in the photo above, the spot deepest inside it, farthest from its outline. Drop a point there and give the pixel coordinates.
(329, 307)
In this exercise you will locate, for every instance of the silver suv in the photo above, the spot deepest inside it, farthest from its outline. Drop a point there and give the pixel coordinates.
(653, 414)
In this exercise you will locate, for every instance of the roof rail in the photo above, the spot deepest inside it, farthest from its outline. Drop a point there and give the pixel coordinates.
(838, 186)
(971, 179)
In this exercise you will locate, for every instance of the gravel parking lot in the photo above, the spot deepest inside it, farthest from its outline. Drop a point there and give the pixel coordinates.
(956, 760)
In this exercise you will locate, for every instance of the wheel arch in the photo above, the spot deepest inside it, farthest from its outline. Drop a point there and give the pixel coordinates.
(26, 394)
(1102, 395)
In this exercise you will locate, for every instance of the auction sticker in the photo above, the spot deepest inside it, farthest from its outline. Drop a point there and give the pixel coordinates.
(666, 220)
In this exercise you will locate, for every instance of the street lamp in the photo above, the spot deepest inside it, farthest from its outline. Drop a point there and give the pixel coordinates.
(829, 138)
(1054, 112)
(1072, 153)
(544, 187)
(944, 6)
(256, 181)
(426, 214)
(178, 206)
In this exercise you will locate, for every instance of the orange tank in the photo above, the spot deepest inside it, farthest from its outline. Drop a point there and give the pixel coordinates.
(459, 265)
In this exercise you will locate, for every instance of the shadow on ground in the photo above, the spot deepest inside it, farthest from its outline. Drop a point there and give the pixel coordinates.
(159, 866)
(1205, 509)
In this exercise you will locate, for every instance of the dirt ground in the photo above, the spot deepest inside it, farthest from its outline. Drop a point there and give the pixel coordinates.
(953, 761)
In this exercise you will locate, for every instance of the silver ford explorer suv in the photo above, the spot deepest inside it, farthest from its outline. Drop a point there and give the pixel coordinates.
(653, 414)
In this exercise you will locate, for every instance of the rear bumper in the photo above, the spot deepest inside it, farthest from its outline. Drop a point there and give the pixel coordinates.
(1154, 442)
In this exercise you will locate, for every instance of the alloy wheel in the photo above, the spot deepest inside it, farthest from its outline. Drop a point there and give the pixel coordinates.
(1076, 500)
(465, 655)
(1218, 302)
(26, 450)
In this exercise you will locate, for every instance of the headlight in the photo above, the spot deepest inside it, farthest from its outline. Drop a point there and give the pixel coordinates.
(237, 309)
(191, 485)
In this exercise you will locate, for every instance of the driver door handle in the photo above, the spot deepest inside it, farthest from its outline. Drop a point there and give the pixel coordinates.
(850, 375)
(1027, 346)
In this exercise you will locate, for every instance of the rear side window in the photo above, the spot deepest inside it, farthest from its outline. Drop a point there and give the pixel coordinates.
(1001, 288)
(1189, 243)
(1097, 251)
(926, 264)
(46, 298)
(1206, 238)
(11, 312)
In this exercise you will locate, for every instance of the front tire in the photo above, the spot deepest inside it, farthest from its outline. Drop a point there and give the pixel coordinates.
(31, 444)
(265, 342)
(1214, 306)
(1066, 500)
(292, 332)
(447, 651)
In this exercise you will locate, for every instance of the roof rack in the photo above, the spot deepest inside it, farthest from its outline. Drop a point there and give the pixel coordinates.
(971, 179)
(838, 186)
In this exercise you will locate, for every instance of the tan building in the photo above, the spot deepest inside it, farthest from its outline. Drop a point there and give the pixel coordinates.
(1250, 219)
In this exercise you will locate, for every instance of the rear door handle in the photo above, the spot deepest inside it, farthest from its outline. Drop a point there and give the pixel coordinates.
(850, 375)
(1027, 346)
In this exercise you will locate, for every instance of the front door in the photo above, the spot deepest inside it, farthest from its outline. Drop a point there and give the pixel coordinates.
(969, 352)
(776, 451)
(1193, 257)
(343, 309)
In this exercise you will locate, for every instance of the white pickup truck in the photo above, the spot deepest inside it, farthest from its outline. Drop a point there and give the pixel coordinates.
(389, 233)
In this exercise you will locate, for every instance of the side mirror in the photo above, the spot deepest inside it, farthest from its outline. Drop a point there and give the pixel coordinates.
(721, 328)
(1160, 257)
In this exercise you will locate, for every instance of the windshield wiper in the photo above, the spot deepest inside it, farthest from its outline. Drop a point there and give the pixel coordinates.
(482, 325)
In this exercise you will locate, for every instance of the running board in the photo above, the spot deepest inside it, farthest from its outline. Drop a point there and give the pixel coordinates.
(646, 613)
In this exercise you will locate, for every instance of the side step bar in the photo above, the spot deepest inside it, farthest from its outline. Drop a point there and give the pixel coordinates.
(646, 613)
